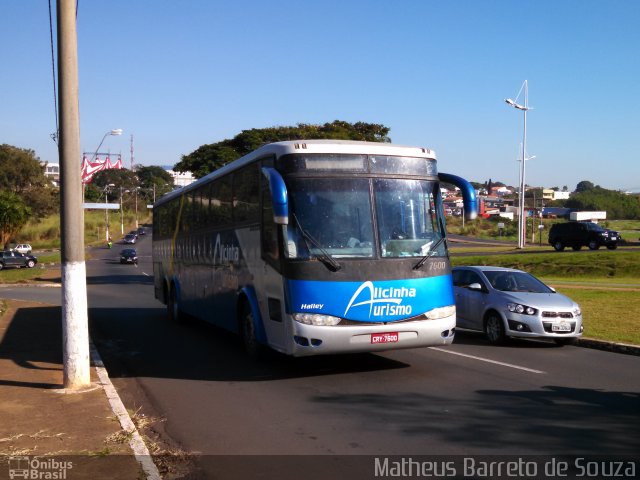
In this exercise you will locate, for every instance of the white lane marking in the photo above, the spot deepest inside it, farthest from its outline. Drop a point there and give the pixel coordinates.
(510, 365)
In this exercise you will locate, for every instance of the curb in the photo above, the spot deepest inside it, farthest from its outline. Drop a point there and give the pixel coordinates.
(608, 346)
(140, 450)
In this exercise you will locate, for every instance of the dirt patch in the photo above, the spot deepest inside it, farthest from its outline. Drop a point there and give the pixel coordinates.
(37, 417)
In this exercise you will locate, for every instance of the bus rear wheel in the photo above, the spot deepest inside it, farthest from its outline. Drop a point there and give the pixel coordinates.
(248, 332)
(173, 306)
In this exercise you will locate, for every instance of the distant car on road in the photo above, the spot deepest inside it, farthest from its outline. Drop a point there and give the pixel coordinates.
(129, 255)
(129, 238)
(504, 302)
(24, 248)
(141, 231)
(582, 234)
(17, 260)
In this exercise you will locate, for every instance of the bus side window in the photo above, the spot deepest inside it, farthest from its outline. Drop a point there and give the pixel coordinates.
(269, 240)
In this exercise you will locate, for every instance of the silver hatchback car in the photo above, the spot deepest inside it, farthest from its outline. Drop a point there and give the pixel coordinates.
(504, 302)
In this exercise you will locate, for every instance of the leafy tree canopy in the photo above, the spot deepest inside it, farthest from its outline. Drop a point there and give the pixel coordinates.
(584, 185)
(14, 214)
(154, 181)
(210, 157)
(20, 169)
(22, 173)
(616, 204)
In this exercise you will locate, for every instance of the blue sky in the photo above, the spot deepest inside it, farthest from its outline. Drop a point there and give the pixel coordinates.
(177, 75)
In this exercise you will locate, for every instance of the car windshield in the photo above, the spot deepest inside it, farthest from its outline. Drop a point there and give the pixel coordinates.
(515, 282)
(594, 228)
(128, 251)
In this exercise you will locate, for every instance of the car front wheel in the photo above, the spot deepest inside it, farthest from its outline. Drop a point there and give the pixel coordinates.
(494, 329)
(559, 246)
(31, 264)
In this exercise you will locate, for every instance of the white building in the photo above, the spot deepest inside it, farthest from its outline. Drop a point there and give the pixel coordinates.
(52, 171)
(181, 179)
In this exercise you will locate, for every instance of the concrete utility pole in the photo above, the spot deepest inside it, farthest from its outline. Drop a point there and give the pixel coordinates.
(75, 329)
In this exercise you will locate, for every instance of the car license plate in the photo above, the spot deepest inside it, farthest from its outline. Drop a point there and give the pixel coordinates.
(389, 337)
(561, 327)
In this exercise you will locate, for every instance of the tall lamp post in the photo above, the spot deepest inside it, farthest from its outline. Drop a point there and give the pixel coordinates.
(521, 219)
(114, 132)
(106, 210)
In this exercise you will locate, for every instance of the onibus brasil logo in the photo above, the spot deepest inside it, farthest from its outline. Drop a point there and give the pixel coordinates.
(382, 301)
(38, 468)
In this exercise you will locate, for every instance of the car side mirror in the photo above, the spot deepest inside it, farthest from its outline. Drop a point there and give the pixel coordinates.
(475, 286)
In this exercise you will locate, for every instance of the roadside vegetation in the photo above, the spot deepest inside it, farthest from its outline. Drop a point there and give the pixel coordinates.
(488, 229)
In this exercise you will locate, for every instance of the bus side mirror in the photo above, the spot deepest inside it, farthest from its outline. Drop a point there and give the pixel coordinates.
(468, 194)
(278, 195)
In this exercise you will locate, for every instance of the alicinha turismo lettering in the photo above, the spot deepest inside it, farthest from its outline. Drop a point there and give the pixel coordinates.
(382, 301)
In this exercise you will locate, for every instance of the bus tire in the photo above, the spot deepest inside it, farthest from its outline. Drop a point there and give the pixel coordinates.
(173, 306)
(494, 329)
(248, 332)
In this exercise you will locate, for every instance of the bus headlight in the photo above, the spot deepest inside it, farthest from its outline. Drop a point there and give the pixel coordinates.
(441, 312)
(316, 319)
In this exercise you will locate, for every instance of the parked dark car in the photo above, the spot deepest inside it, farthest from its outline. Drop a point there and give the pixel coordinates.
(582, 234)
(129, 255)
(141, 231)
(17, 260)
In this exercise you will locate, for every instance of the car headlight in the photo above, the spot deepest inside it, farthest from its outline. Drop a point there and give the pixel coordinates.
(521, 309)
(576, 311)
(441, 312)
(316, 319)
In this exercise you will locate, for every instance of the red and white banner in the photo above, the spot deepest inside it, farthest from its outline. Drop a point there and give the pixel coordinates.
(89, 169)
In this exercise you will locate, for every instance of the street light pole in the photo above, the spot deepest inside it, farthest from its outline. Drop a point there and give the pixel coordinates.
(521, 218)
(115, 132)
(121, 213)
(106, 211)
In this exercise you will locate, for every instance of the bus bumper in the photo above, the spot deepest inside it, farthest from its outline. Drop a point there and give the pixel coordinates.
(326, 340)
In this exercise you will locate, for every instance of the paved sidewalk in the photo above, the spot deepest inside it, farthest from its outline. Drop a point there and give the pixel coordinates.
(42, 427)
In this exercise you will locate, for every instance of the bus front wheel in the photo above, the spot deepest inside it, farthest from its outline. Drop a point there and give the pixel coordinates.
(248, 332)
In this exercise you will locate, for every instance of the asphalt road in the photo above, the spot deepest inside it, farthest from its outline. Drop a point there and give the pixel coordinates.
(527, 398)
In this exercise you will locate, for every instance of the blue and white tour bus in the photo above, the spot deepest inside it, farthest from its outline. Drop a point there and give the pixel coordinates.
(313, 247)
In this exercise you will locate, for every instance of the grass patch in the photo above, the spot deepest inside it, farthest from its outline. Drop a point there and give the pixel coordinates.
(566, 265)
(608, 314)
(20, 275)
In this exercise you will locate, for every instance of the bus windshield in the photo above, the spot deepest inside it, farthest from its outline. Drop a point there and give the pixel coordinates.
(335, 217)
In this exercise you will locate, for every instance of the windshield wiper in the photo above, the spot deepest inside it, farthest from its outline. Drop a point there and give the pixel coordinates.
(429, 254)
(325, 256)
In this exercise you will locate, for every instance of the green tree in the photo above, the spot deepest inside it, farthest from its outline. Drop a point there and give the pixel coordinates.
(22, 173)
(210, 157)
(584, 185)
(616, 204)
(14, 214)
(154, 182)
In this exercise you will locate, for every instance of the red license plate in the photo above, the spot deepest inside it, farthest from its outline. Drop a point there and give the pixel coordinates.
(389, 337)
